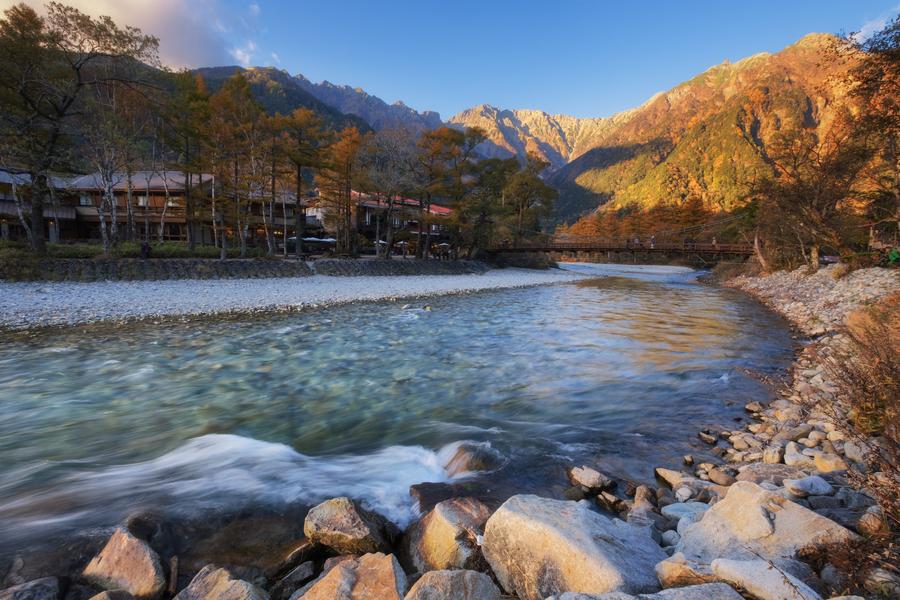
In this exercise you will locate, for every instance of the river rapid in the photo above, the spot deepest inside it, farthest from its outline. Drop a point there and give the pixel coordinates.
(365, 400)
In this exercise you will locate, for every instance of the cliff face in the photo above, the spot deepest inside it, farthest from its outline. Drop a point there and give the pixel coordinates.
(372, 109)
(703, 138)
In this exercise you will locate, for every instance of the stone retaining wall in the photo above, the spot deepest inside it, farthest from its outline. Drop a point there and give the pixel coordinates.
(132, 269)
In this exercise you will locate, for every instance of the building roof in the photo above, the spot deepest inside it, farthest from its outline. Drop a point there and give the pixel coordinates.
(376, 202)
(140, 180)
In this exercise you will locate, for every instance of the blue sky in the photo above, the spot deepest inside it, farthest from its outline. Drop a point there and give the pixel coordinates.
(574, 57)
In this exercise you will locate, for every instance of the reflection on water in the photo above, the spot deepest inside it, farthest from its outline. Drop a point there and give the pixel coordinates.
(619, 371)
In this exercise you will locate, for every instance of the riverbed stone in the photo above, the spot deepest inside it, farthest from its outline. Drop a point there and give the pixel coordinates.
(678, 571)
(470, 457)
(538, 547)
(706, 591)
(293, 580)
(127, 563)
(446, 536)
(772, 473)
(216, 583)
(109, 595)
(752, 522)
(590, 480)
(454, 585)
(46, 588)
(829, 463)
(773, 454)
(347, 528)
(680, 509)
(374, 576)
(794, 457)
(763, 580)
(808, 486)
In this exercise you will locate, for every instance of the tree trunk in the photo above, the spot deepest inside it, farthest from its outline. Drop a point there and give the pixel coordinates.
(757, 251)
(21, 214)
(129, 210)
(38, 243)
(813, 258)
(299, 216)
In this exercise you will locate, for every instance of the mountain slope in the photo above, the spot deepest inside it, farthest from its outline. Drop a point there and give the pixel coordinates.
(277, 91)
(703, 139)
(372, 109)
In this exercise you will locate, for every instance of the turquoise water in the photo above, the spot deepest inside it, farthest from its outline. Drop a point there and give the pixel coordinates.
(366, 400)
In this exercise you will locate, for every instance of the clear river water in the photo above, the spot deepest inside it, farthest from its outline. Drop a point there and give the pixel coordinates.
(366, 400)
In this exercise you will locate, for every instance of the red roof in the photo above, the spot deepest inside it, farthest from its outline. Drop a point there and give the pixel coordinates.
(376, 202)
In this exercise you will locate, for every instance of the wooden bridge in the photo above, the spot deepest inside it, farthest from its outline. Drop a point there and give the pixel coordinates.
(637, 246)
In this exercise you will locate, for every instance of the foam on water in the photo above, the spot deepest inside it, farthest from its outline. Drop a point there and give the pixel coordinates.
(222, 471)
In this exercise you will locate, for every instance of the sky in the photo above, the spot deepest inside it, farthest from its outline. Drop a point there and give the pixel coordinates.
(582, 58)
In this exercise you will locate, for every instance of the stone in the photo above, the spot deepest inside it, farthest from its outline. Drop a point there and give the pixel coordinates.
(679, 509)
(111, 595)
(707, 438)
(753, 407)
(687, 459)
(347, 528)
(752, 522)
(677, 571)
(454, 585)
(719, 476)
(471, 457)
(882, 583)
(763, 580)
(808, 486)
(538, 547)
(854, 452)
(369, 577)
(683, 494)
(293, 580)
(704, 591)
(793, 456)
(829, 463)
(670, 537)
(213, 583)
(772, 473)
(127, 563)
(46, 588)
(773, 454)
(446, 536)
(590, 480)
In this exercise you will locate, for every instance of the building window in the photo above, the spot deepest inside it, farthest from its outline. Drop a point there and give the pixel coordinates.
(142, 201)
(85, 200)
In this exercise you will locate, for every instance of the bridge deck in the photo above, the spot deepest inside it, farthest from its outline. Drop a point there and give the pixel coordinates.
(621, 246)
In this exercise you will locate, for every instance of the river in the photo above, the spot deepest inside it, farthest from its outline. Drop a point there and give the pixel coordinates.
(618, 371)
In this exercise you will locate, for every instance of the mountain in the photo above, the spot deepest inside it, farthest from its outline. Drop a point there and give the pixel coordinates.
(703, 138)
(372, 109)
(277, 91)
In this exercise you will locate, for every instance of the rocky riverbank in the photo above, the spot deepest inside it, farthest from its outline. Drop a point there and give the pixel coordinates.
(763, 521)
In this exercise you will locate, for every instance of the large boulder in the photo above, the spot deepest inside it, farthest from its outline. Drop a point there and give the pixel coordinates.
(752, 522)
(46, 588)
(368, 577)
(295, 578)
(678, 571)
(127, 563)
(763, 580)
(766, 472)
(538, 547)
(213, 583)
(446, 537)
(454, 585)
(347, 528)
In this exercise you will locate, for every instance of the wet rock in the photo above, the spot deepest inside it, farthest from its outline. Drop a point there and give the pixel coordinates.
(347, 528)
(213, 583)
(752, 522)
(719, 477)
(763, 580)
(293, 580)
(707, 591)
(707, 438)
(369, 577)
(46, 588)
(677, 571)
(113, 595)
(446, 537)
(127, 563)
(454, 585)
(538, 547)
(753, 407)
(670, 537)
(590, 480)
(470, 457)
(808, 486)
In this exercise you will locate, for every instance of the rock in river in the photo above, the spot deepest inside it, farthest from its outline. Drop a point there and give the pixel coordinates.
(454, 585)
(446, 537)
(706, 591)
(127, 563)
(538, 547)
(47, 588)
(347, 528)
(763, 580)
(213, 583)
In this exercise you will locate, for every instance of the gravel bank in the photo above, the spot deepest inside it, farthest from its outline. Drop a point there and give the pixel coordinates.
(38, 304)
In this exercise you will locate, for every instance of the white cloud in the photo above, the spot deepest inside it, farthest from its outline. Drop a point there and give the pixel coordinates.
(244, 54)
(276, 58)
(192, 33)
(254, 9)
(873, 26)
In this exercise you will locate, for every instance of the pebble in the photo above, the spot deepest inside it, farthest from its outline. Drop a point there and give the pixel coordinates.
(808, 486)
